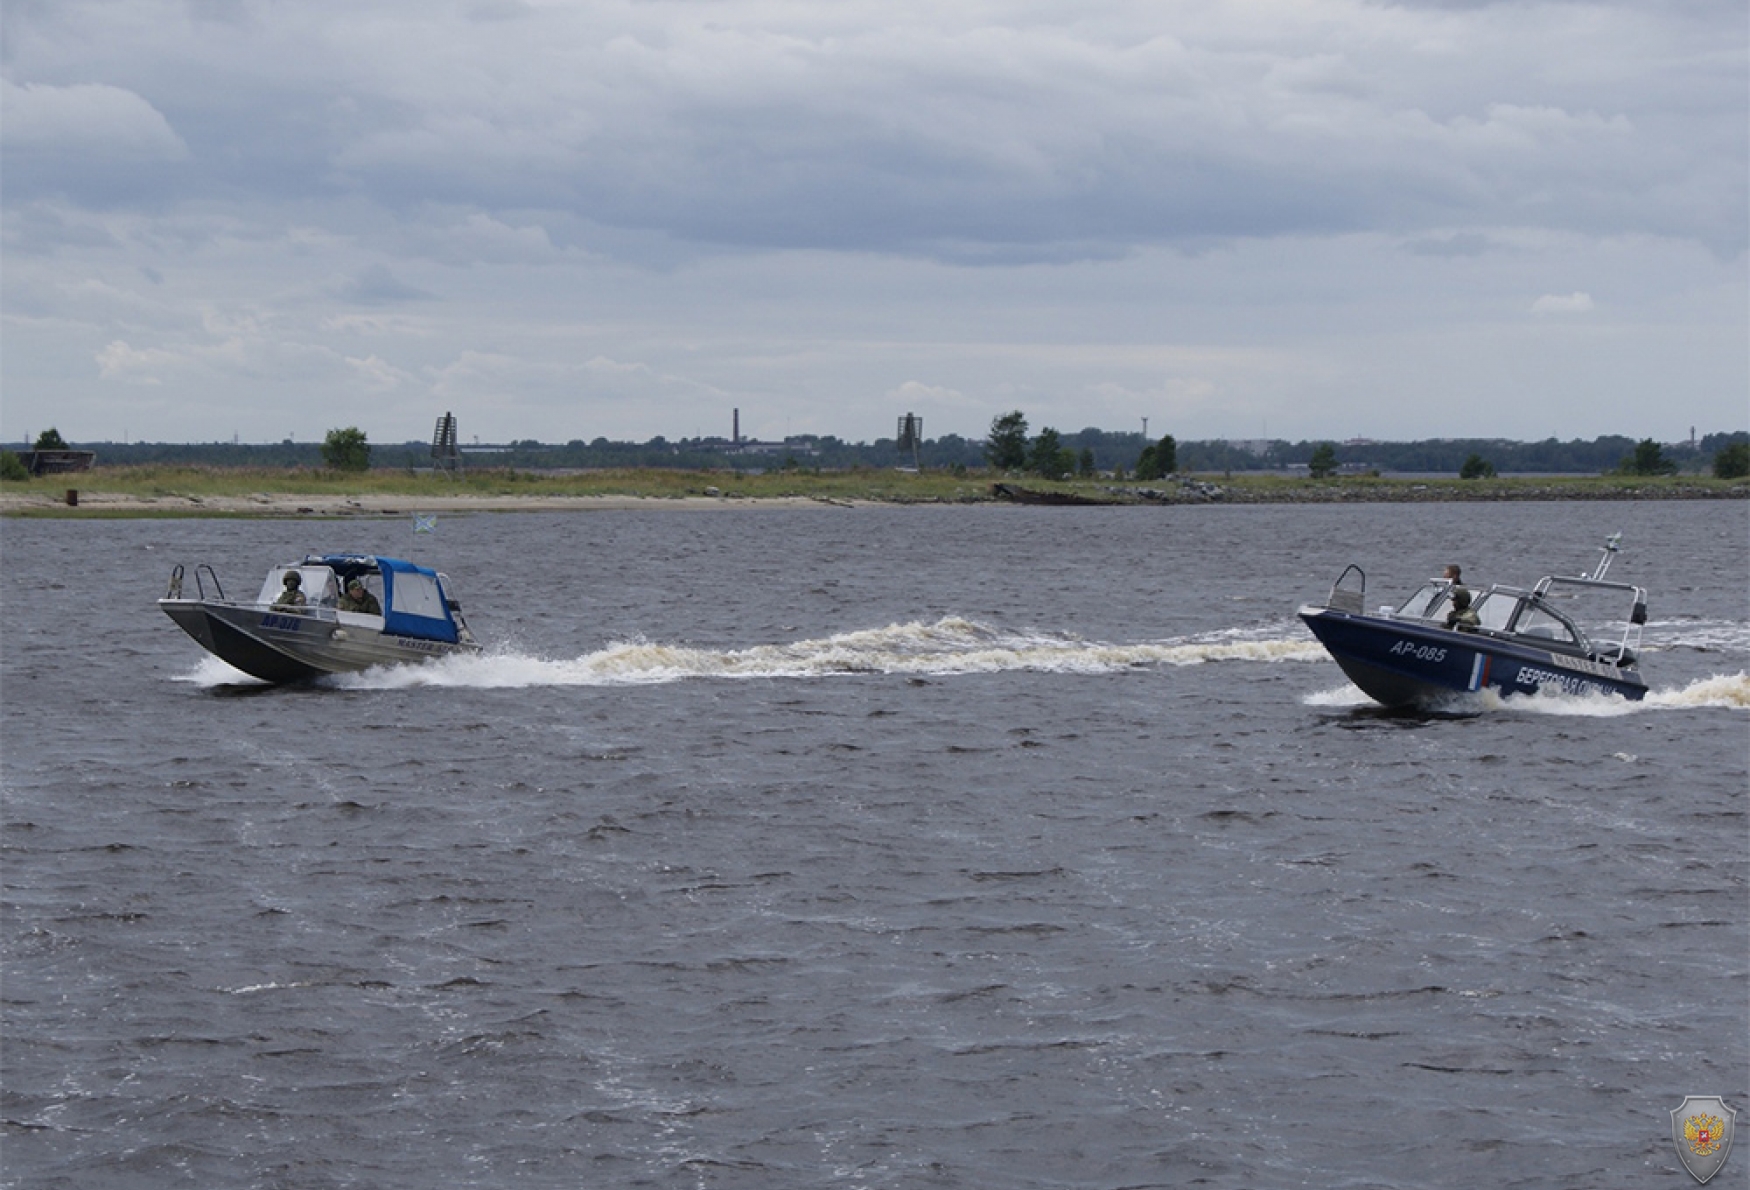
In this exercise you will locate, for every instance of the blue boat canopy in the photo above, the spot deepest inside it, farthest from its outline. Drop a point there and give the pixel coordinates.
(414, 600)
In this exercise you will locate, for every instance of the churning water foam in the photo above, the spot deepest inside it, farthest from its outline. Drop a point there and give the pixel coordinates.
(951, 645)
(955, 645)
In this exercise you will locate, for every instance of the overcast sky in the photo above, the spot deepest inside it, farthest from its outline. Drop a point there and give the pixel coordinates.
(563, 220)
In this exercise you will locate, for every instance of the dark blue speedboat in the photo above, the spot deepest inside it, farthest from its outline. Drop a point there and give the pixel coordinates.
(1558, 636)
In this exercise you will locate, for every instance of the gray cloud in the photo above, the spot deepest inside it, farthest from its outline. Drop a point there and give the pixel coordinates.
(876, 136)
(376, 285)
(540, 186)
(1468, 243)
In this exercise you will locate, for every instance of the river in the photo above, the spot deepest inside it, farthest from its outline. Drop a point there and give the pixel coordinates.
(869, 847)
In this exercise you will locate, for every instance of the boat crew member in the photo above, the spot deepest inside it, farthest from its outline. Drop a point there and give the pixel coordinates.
(292, 596)
(357, 599)
(1461, 616)
(1453, 575)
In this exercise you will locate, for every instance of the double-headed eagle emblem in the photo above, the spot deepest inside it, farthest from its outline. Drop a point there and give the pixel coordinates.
(1701, 1133)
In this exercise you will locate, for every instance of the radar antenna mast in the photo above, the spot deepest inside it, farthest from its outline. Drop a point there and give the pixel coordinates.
(444, 451)
(1612, 544)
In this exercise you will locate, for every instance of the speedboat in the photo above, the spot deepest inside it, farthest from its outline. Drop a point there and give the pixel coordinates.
(281, 638)
(1564, 635)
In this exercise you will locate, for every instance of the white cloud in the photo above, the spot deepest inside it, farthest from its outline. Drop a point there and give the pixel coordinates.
(602, 365)
(120, 361)
(84, 120)
(1558, 303)
(914, 392)
(376, 374)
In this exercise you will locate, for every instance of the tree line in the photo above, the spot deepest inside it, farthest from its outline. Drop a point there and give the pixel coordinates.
(1010, 447)
(1052, 455)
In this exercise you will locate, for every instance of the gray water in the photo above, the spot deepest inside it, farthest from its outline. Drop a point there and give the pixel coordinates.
(890, 847)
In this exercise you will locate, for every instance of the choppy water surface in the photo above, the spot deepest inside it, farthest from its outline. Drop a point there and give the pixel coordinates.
(894, 847)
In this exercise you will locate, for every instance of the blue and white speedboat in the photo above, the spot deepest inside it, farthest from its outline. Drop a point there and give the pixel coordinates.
(1564, 635)
(409, 616)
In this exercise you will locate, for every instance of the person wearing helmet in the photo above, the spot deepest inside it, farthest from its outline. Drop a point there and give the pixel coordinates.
(1461, 617)
(293, 595)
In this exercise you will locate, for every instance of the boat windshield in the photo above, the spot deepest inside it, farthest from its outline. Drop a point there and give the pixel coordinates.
(1581, 615)
(1584, 611)
(1433, 601)
(1430, 602)
(1494, 609)
(1542, 622)
(318, 585)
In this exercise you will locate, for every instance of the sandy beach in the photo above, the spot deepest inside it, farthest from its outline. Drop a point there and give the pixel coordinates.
(307, 504)
(42, 500)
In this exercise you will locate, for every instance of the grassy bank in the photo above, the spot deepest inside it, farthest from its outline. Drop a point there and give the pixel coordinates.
(1364, 488)
(149, 482)
(162, 490)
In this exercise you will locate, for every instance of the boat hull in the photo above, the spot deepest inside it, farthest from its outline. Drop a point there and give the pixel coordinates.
(277, 646)
(1402, 663)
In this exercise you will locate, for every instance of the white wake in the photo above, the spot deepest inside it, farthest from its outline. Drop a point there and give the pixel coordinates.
(946, 647)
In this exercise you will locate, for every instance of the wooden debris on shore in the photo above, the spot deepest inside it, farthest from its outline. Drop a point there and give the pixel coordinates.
(1016, 494)
(1184, 489)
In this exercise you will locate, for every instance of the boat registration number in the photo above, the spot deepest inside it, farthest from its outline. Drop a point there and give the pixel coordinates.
(1420, 652)
(283, 623)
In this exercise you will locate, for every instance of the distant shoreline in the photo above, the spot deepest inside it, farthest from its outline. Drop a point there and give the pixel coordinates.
(100, 503)
(67, 499)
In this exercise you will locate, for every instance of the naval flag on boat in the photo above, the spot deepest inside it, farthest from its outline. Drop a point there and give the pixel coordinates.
(425, 522)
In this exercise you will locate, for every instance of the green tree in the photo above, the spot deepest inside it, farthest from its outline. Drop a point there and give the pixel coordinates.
(346, 450)
(1323, 463)
(1159, 459)
(1050, 457)
(1476, 467)
(50, 439)
(1006, 448)
(1166, 456)
(12, 468)
(1648, 459)
(1733, 462)
(1085, 465)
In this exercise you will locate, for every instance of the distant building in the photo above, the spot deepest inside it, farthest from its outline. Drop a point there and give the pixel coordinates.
(786, 447)
(747, 446)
